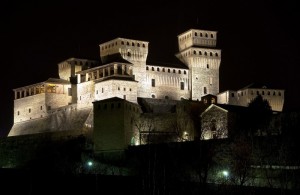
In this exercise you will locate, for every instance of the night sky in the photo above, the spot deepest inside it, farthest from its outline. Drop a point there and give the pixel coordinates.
(259, 39)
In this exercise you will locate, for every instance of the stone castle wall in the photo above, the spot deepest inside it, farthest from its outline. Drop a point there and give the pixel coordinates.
(116, 88)
(167, 83)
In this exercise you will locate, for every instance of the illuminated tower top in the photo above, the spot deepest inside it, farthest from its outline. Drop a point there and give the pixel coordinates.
(128, 49)
(197, 38)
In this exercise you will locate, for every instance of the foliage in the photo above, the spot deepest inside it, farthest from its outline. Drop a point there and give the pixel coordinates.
(259, 115)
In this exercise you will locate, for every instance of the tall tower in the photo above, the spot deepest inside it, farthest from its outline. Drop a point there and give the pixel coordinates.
(133, 51)
(197, 51)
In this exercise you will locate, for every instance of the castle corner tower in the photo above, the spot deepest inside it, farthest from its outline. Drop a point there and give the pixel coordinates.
(197, 50)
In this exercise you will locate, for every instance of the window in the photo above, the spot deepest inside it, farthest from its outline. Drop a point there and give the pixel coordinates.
(213, 100)
(232, 94)
(124, 97)
(147, 68)
(69, 92)
(102, 90)
(279, 93)
(184, 72)
(210, 80)
(207, 66)
(204, 90)
(263, 92)
(18, 112)
(153, 96)
(182, 85)
(29, 110)
(41, 107)
(153, 82)
(166, 97)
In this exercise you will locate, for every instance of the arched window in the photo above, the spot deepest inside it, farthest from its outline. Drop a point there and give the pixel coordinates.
(195, 52)
(196, 34)
(153, 96)
(147, 68)
(211, 35)
(128, 54)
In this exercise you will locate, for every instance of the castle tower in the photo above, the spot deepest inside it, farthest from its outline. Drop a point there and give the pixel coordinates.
(133, 51)
(197, 51)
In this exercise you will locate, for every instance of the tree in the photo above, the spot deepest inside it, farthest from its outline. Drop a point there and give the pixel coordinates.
(259, 115)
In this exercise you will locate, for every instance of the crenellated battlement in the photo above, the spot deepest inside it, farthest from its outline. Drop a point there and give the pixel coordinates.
(197, 38)
(128, 49)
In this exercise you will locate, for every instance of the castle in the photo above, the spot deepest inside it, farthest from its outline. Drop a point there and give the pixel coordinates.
(113, 98)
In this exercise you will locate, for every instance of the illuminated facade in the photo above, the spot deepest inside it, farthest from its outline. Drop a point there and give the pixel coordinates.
(244, 96)
(121, 81)
(125, 74)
